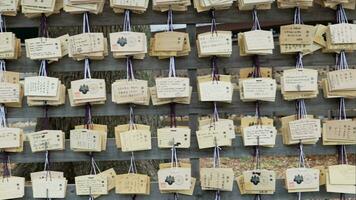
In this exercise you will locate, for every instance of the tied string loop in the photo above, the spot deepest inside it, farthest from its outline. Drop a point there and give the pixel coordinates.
(170, 19)
(341, 16)
(215, 69)
(127, 21)
(6, 165)
(3, 122)
(256, 23)
(2, 23)
(213, 27)
(297, 16)
(129, 69)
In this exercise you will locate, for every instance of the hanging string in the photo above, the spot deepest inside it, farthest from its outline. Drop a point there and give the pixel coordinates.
(258, 113)
(129, 69)
(43, 68)
(341, 16)
(86, 24)
(301, 109)
(132, 124)
(43, 27)
(216, 164)
(256, 23)
(257, 158)
(213, 26)
(133, 168)
(257, 154)
(127, 21)
(214, 68)
(88, 116)
(2, 23)
(6, 165)
(297, 16)
(170, 19)
(3, 122)
(172, 67)
(87, 73)
(173, 117)
(174, 158)
(2, 65)
(2, 29)
(86, 29)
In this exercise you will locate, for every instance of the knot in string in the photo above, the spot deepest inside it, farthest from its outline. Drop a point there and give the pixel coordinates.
(88, 122)
(256, 67)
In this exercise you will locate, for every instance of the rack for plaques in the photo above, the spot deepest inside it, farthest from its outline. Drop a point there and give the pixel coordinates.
(192, 66)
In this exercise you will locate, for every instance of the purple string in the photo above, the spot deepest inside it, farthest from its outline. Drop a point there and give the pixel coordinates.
(6, 170)
(44, 26)
(173, 115)
(257, 154)
(87, 118)
(129, 67)
(215, 69)
(213, 28)
(257, 66)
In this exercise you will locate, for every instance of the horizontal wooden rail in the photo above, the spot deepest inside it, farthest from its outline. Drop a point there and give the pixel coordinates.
(237, 150)
(280, 194)
(232, 15)
(317, 106)
(190, 62)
